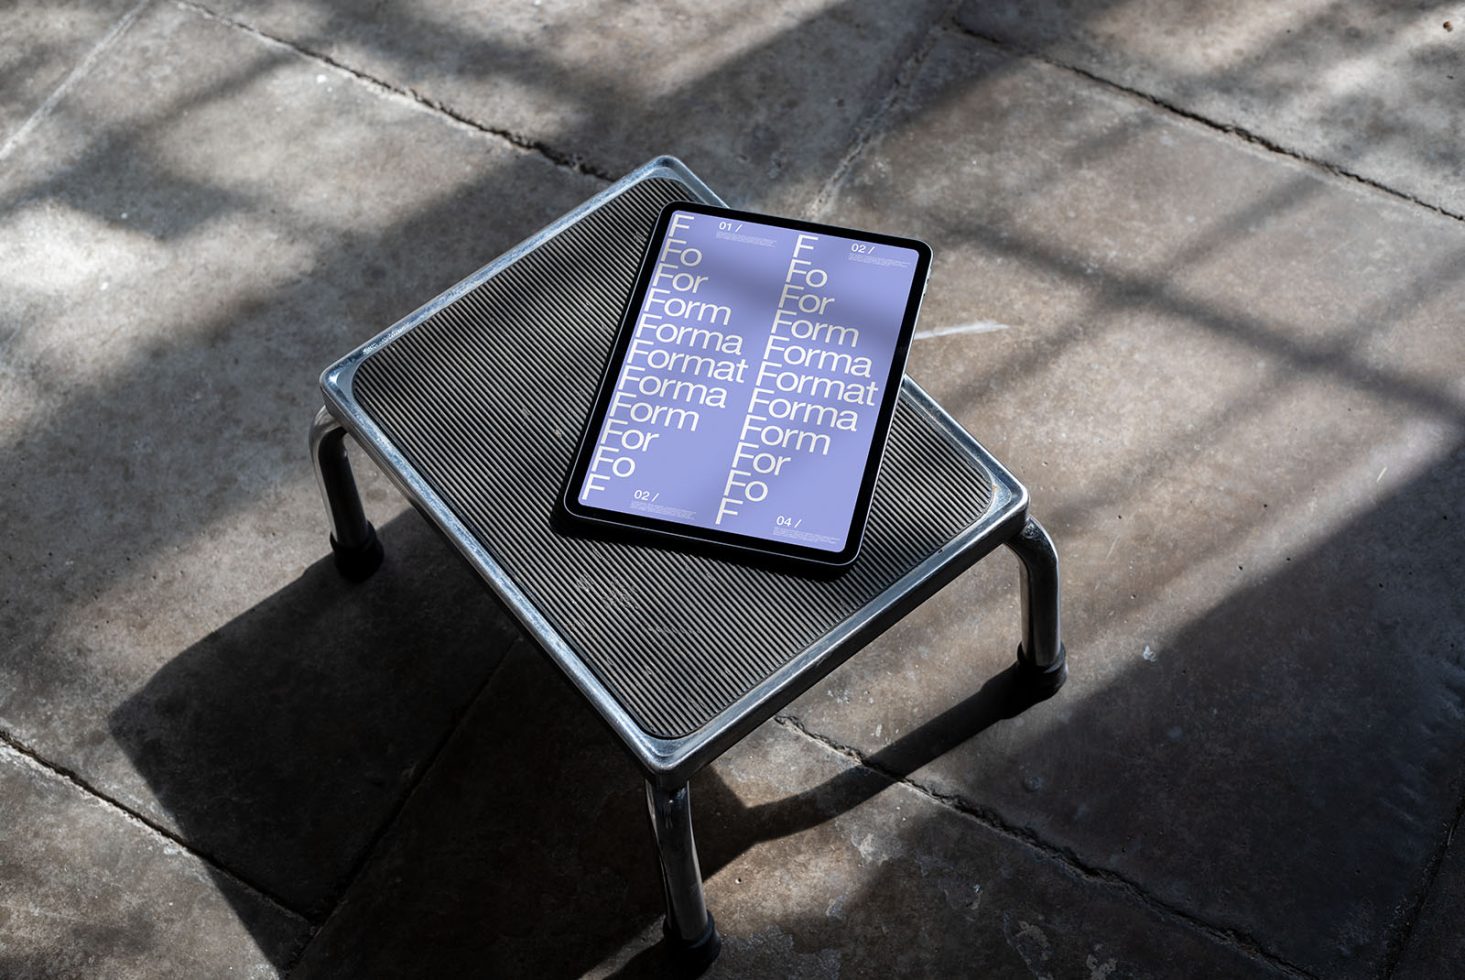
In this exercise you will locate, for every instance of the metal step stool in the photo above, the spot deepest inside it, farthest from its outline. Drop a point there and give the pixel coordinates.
(474, 404)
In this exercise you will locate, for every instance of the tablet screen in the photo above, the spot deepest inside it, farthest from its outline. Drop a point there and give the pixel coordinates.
(752, 382)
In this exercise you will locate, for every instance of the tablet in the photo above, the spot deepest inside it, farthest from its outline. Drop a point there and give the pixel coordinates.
(746, 401)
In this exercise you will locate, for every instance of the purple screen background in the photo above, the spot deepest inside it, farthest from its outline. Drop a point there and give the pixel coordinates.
(649, 460)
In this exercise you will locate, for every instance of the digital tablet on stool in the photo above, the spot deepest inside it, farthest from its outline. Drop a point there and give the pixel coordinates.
(746, 401)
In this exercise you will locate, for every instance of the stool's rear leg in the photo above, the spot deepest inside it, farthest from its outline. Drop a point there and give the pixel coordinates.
(357, 549)
(688, 925)
(1041, 659)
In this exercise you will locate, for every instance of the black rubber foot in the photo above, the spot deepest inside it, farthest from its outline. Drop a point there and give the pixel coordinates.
(359, 563)
(1042, 684)
(692, 958)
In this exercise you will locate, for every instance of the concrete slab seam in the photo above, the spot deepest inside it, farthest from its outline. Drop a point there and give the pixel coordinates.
(1064, 857)
(17, 752)
(570, 161)
(1399, 941)
(368, 851)
(82, 69)
(1229, 129)
(869, 128)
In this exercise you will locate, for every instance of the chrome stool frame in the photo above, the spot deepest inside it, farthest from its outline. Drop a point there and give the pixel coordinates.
(398, 396)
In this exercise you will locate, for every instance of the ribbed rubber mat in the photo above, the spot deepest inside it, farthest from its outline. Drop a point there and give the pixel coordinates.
(486, 400)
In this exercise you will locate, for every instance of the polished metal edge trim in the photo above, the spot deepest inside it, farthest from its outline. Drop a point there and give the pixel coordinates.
(338, 375)
(661, 757)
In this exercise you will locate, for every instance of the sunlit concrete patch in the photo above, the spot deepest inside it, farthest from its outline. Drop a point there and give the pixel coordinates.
(87, 891)
(960, 329)
(1370, 88)
(48, 48)
(761, 101)
(1236, 401)
(189, 237)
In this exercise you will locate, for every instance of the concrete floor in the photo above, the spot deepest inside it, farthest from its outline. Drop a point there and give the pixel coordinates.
(1200, 283)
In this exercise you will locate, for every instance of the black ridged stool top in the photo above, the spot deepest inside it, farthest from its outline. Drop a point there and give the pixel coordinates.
(486, 399)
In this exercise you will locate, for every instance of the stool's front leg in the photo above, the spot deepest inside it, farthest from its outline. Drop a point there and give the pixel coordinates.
(1042, 660)
(357, 549)
(688, 926)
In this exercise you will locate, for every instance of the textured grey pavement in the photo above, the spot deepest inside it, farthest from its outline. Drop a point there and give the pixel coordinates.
(90, 891)
(1198, 283)
(1265, 319)
(1372, 90)
(816, 867)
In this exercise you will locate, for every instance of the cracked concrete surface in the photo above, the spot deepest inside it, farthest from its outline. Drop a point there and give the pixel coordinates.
(1197, 284)
(89, 891)
(1319, 325)
(1370, 90)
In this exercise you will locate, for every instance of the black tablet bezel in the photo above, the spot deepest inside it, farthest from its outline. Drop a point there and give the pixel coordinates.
(745, 545)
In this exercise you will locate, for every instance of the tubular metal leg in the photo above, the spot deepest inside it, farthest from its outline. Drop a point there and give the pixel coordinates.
(688, 926)
(1041, 658)
(357, 549)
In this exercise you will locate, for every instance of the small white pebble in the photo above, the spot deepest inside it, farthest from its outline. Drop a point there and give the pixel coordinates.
(105, 285)
(124, 215)
(320, 79)
(1149, 654)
